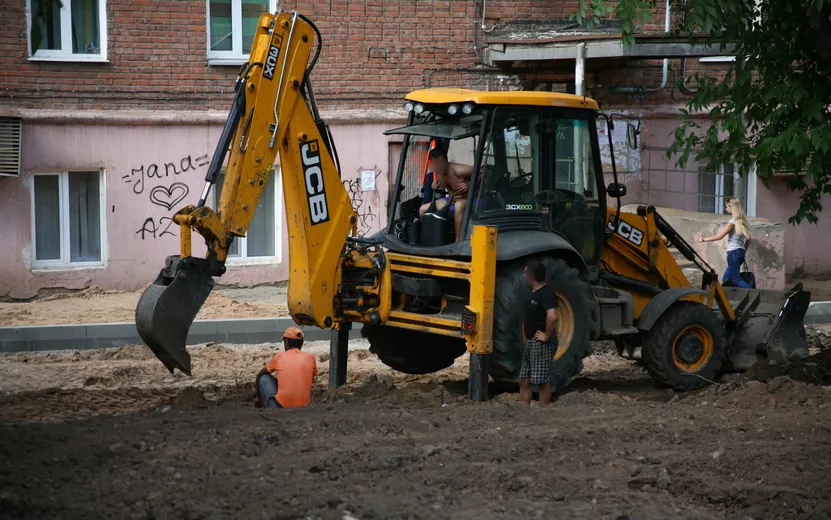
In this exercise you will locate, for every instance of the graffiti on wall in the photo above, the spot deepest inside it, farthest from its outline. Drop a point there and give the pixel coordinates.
(139, 177)
(169, 196)
(168, 193)
(152, 230)
(367, 216)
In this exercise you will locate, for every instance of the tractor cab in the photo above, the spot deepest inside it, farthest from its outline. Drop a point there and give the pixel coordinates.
(534, 173)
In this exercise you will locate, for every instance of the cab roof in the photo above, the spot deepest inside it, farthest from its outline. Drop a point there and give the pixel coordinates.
(528, 98)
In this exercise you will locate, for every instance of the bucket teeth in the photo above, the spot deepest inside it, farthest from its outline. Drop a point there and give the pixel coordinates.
(166, 311)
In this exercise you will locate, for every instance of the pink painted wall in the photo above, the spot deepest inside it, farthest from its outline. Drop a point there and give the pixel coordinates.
(133, 256)
(807, 246)
(365, 147)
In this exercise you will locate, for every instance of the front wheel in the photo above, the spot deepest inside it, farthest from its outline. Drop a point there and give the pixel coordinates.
(574, 325)
(686, 347)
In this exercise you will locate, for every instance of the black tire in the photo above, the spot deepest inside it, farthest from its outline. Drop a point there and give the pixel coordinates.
(508, 341)
(412, 352)
(675, 351)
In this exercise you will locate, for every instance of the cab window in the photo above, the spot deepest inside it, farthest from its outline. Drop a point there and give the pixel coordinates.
(511, 163)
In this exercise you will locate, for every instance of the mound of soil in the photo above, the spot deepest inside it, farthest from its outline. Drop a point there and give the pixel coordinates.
(815, 370)
(189, 399)
(819, 336)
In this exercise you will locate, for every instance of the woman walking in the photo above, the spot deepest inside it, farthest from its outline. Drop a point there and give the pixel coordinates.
(737, 232)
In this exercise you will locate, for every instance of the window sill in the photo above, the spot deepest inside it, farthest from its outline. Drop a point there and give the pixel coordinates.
(40, 268)
(75, 58)
(222, 62)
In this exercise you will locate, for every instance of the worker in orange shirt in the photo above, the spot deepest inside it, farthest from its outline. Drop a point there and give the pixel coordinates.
(286, 381)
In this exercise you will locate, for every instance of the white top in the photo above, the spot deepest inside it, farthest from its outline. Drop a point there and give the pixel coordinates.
(735, 240)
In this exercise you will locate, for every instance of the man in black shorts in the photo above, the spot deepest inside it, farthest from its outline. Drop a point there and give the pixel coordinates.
(540, 331)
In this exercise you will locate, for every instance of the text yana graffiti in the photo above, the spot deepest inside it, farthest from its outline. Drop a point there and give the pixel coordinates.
(138, 176)
(165, 195)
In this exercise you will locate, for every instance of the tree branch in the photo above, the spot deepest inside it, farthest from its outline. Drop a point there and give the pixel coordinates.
(819, 27)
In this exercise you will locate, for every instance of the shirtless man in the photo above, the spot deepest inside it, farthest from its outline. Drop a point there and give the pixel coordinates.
(454, 177)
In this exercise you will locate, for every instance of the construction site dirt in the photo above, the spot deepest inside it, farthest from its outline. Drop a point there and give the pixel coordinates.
(111, 434)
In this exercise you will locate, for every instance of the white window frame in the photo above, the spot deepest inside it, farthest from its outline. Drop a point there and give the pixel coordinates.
(235, 56)
(243, 258)
(64, 262)
(65, 53)
(718, 189)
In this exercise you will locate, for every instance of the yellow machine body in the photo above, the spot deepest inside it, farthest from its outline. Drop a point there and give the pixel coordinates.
(337, 277)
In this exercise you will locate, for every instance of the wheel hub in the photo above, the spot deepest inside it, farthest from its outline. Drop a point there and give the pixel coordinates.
(689, 349)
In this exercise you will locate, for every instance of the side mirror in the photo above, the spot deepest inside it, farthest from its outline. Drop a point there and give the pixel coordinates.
(632, 135)
(616, 190)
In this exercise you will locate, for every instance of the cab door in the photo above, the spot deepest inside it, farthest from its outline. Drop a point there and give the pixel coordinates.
(578, 206)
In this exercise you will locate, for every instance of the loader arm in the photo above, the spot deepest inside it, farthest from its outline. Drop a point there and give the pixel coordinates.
(637, 258)
(274, 113)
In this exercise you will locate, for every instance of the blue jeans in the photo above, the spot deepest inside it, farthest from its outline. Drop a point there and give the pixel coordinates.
(735, 259)
(267, 386)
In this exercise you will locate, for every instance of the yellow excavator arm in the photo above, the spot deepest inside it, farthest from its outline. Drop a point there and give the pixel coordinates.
(274, 113)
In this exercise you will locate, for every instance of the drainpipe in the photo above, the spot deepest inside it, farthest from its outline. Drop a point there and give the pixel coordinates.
(485, 10)
(580, 70)
(683, 74)
(745, 187)
(580, 90)
(642, 89)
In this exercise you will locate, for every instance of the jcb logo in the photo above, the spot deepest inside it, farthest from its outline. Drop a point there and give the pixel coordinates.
(271, 59)
(313, 175)
(519, 207)
(627, 231)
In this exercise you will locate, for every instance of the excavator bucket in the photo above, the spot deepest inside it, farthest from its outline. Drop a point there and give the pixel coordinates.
(770, 325)
(166, 311)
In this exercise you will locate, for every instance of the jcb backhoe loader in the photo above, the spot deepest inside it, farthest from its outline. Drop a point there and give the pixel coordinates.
(536, 192)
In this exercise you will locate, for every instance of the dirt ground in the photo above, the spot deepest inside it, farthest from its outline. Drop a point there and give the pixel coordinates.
(95, 305)
(111, 434)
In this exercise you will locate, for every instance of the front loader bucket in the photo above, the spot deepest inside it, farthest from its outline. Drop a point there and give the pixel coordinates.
(166, 311)
(770, 325)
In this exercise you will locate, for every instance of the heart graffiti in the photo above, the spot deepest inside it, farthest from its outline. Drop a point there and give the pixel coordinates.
(168, 197)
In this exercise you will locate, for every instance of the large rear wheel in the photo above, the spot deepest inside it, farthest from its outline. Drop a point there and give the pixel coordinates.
(686, 347)
(410, 351)
(574, 325)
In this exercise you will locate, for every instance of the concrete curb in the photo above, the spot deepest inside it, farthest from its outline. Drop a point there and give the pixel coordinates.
(256, 330)
(107, 335)
(818, 313)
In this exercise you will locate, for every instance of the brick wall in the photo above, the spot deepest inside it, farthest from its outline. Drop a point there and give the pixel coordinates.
(375, 52)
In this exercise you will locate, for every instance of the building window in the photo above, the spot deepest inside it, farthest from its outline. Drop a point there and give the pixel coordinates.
(714, 188)
(68, 219)
(263, 239)
(232, 25)
(68, 30)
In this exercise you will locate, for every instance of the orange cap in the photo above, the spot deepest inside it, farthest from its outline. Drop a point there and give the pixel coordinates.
(293, 333)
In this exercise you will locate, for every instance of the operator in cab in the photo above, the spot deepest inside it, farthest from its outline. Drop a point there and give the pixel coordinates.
(454, 177)
(286, 381)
